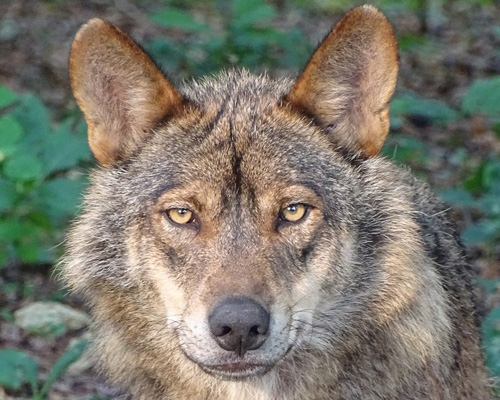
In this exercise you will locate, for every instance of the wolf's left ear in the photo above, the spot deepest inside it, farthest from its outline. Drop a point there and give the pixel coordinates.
(121, 92)
(347, 85)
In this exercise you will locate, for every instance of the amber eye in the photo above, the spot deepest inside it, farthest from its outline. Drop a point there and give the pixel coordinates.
(293, 212)
(180, 216)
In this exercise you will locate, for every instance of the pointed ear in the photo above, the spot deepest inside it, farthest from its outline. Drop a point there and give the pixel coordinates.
(347, 85)
(121, 92)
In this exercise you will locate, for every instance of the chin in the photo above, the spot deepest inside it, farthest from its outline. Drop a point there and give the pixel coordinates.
(238, 371)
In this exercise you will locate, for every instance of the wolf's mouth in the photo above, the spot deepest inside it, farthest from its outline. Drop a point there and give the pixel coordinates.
(236, 371)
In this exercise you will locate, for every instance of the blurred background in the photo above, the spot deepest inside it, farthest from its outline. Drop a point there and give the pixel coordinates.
(445, 126)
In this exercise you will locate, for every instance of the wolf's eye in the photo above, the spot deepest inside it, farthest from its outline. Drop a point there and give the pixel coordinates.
(180, 216)
(293, 212)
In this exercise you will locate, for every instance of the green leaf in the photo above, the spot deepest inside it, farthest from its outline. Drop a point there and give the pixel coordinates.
(23, 167)
(168, 53)
(6, 97)
(8, 195)
(72, 354)
(483, 97)
(458, 196)
(491, 337)
(485, 232)
(177, 18)
(12, 229)
(489, 204)
(64, 149)
(491, 174)
(404, 150)
(485, 178)
(10, 133)
(34, 118)
(60, 197)
(28, 252)
(16, 369)
(410, 41)
(489, 285)
(249, 12)
(409, 104)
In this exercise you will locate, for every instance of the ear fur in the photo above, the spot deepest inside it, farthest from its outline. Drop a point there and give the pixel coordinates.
(347, 84)
(121, 92)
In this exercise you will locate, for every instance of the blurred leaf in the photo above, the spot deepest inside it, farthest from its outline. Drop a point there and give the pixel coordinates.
(483, 97)
(297, 49)
(409, 104)
(72, 354)
(458, 196)
(491, 286)
(8, 195)
(6, 97)
(16, 369)
(411, 41)
(249, 12)
(28, 252)
(168, 53)
(63, 149)
(483, 232)
(491, 175)
(489, 204)
(177, 18)
(10, 133)
(6, 315)
(485, 178)
(12, 229)
(60, 197)
(34, 118)
(491, 338)
(23, 167)
(406, 150)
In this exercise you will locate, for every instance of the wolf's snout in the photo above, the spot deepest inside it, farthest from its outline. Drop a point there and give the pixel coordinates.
(239, 324)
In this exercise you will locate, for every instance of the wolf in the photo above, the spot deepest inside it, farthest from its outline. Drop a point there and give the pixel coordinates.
(242, 238)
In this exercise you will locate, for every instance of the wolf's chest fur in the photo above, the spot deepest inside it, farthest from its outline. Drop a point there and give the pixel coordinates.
(243, 240)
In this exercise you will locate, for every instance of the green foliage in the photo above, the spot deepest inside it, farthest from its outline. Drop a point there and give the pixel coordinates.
(480, 192)
(406, 150)
(72, 354)
(410, 105)
(39, 192)
(246, 39)
(491, 339)
(483, 97)
(18, 369)
(176, 18)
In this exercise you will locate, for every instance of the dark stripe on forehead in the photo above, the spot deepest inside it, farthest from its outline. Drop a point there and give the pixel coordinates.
(211, 124)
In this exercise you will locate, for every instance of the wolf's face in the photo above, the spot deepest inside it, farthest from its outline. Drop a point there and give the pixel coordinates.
(224, 211)
(241, 221)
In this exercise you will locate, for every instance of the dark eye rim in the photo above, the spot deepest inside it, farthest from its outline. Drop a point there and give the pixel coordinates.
(282, 221)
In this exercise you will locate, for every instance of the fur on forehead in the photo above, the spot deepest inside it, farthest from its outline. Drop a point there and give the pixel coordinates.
(236, 91)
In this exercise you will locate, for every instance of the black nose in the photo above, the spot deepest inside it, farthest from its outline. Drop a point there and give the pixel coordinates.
(239, 324)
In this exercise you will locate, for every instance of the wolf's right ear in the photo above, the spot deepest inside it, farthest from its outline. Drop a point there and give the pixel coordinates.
(121, 92)
(347, 84)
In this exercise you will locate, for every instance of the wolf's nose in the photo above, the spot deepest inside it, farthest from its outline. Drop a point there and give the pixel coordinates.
(239, 324)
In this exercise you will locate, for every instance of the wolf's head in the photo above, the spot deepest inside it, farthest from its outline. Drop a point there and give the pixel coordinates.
(225, 223)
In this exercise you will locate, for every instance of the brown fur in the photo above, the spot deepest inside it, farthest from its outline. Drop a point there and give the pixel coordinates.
(369, 295)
